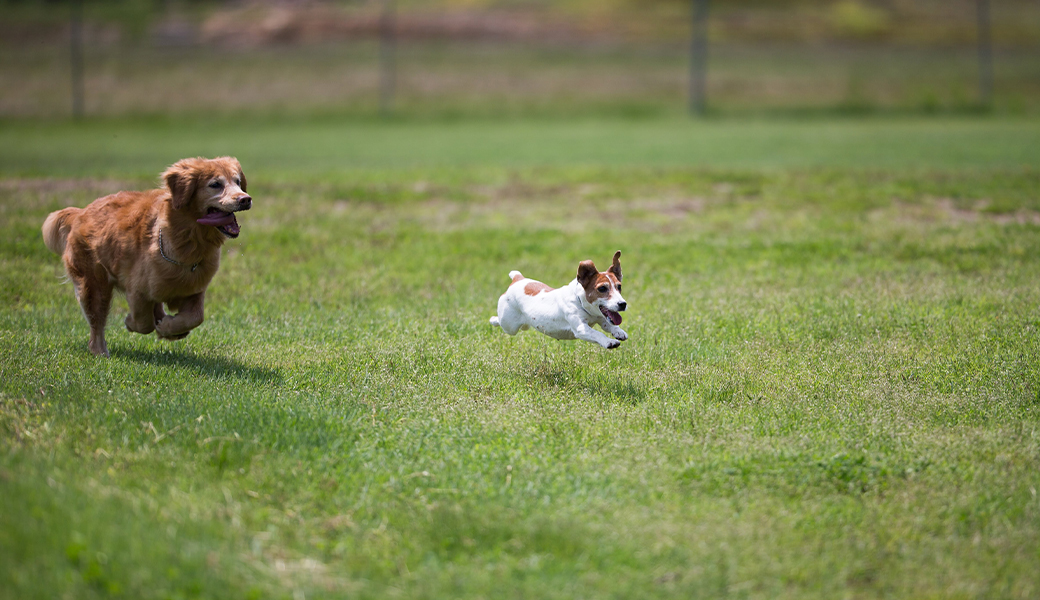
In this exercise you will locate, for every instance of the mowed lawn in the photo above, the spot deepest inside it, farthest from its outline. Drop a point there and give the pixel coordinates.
(831, 387)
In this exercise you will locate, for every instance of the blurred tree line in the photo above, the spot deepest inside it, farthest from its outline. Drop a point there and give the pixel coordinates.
(931, 22)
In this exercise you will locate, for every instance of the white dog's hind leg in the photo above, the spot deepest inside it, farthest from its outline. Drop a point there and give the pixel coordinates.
(510, 321)
(494, 321)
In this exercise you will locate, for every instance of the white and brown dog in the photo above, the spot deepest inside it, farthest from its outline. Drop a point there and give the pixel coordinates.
(592, 298)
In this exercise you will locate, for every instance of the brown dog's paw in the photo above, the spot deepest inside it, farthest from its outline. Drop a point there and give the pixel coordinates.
(132, 326)
(169, 335)
(173, 336)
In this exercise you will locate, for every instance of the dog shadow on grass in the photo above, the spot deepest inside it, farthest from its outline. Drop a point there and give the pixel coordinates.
(559, 378)
(211, 367)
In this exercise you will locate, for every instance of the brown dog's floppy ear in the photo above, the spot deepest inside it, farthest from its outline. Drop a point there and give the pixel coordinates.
(586, 272)
(243, 176)
(616, 267)
(180, 179)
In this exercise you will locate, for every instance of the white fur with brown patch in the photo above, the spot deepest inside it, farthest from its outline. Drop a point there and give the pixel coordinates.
(567, 313)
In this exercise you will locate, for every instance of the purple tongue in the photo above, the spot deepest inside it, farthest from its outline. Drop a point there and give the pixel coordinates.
(232, 228)
(217, 219)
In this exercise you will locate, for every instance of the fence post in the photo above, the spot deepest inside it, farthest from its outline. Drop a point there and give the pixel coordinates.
(698, 57)
(985, 53)
(76, 57)
(387, 57)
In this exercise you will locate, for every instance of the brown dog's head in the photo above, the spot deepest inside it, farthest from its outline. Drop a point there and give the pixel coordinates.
(210, 190)
(603, 290)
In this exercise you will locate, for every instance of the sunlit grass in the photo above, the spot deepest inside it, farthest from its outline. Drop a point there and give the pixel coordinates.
(831, 386)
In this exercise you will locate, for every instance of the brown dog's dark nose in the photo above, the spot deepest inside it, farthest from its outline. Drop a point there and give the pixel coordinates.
(245, 202)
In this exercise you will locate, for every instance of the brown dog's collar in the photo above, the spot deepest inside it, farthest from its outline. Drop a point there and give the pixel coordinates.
(170, 260)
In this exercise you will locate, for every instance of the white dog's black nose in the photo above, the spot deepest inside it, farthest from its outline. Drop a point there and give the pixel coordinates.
(621, 306)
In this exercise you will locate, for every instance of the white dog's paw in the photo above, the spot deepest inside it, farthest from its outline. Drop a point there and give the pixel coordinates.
(611, 344)
(494, 321)
(620, 334)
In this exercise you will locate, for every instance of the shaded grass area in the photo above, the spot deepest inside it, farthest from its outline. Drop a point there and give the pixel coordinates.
(342, 152)
(831, 386)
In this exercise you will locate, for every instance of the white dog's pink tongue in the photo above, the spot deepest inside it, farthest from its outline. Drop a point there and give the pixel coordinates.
(614, 317)
(217, 219)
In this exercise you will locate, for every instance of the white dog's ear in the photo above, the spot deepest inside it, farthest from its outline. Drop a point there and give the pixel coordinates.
(616, 267)
(586, 272)
(181, 179)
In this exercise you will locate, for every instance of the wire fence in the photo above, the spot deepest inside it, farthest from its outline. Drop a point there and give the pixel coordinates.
(395, 57)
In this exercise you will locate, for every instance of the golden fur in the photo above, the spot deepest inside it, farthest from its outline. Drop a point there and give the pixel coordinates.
(113, 244)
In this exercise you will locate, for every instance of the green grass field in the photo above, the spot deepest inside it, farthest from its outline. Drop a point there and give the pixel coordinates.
(831, 387)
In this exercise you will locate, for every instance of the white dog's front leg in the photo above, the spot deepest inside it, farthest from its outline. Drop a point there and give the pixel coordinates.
(584, 332)
(616, 331)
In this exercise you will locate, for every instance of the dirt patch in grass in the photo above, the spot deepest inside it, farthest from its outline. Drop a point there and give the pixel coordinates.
(932, 210)
(52, 194)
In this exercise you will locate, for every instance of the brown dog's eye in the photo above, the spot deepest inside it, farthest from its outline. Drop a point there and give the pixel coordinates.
(602, 289)
(216, 185)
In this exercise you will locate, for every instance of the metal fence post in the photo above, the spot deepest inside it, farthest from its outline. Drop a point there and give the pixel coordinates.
(76, 57)
(387, 57)
(698, 57)
(985, 53)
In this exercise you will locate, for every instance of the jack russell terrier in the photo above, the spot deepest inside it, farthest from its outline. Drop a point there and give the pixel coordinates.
(592, 298)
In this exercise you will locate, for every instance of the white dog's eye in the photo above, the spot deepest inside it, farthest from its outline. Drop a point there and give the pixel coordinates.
(602, 289)
(619, 289)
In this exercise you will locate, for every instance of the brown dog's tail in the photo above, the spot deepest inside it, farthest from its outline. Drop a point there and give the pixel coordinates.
(57, 226)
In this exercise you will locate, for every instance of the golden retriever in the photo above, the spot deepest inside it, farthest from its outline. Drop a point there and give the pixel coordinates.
(158, 247)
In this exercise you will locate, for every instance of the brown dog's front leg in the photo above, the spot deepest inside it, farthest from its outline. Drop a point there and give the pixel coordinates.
(189, 316)
(142, 316)
(157, 313)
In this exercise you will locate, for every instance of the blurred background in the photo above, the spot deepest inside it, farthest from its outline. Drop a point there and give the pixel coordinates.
(103, 58)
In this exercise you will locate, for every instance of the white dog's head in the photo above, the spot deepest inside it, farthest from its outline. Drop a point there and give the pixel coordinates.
(603, 290)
